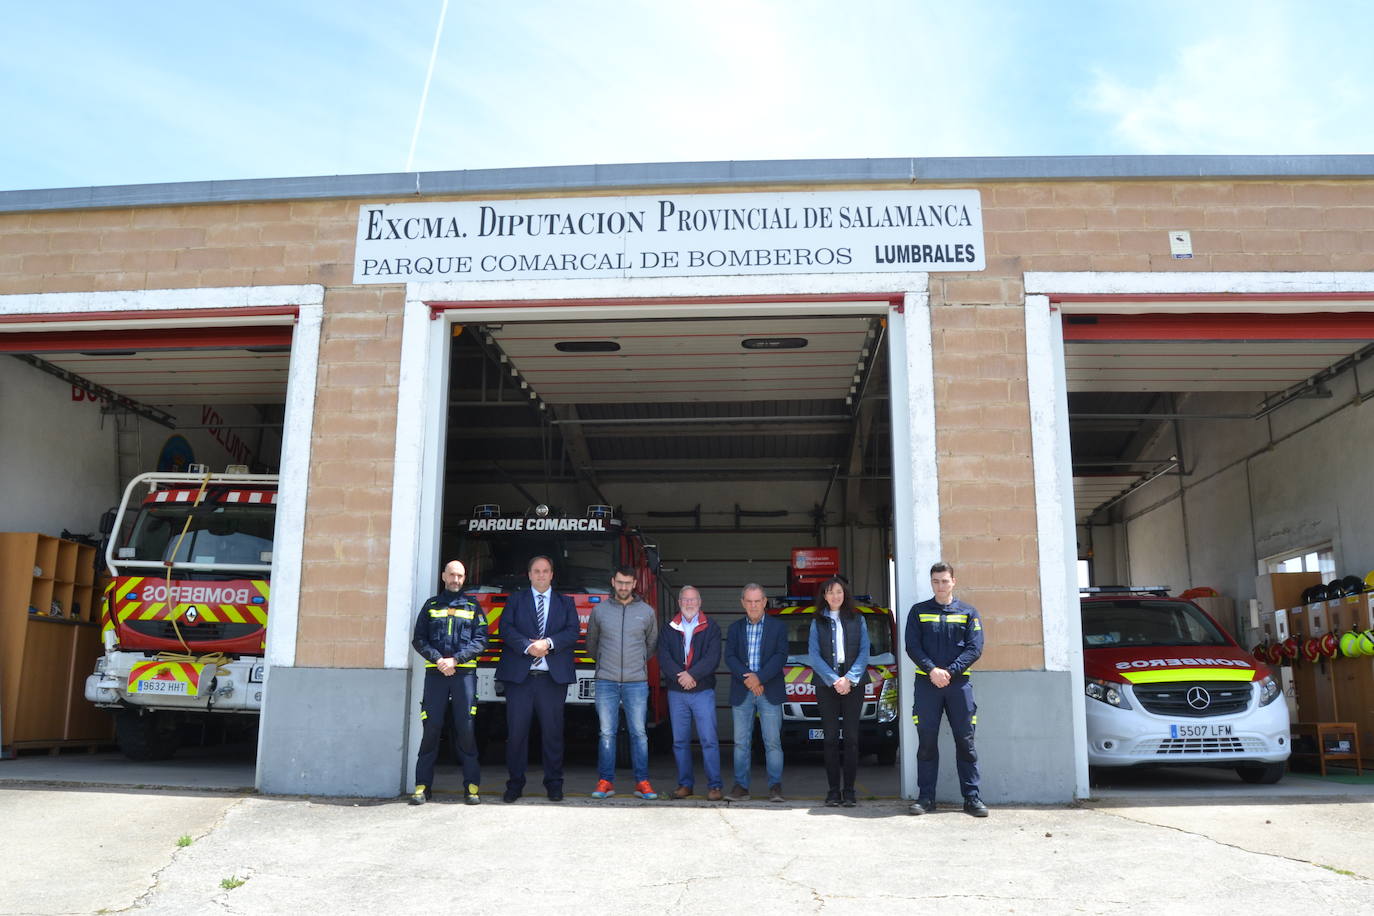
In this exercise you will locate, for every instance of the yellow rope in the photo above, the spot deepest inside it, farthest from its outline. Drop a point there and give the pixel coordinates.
(218, 659)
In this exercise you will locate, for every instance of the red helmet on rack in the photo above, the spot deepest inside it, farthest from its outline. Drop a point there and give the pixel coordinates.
(1261, 652)
(1291, 648)
(1311, 648)
(1330, 645)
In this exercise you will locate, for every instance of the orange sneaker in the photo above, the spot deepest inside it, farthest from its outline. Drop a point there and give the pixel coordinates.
(645, 791)
(604, 789)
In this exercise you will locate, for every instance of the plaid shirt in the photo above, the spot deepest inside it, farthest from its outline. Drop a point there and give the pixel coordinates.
(753, 635)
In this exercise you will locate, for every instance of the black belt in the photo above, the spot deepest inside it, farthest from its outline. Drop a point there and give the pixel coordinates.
(538, 672)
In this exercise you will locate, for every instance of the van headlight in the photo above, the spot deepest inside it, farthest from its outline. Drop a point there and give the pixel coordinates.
(887, 701)
(1109, 692)
(1269, 690)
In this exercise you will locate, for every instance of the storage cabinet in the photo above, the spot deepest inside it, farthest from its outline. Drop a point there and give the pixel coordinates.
(49, 642)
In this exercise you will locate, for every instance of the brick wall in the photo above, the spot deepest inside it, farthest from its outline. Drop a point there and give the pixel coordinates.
(986, 489)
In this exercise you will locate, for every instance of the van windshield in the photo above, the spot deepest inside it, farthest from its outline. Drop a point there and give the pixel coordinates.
(1147, 622)
(879, 638)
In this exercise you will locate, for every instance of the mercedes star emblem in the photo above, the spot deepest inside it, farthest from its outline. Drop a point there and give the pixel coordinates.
(1199, 698)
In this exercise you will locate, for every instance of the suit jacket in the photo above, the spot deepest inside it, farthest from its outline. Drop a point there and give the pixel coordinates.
(772, 659)
(519, 627)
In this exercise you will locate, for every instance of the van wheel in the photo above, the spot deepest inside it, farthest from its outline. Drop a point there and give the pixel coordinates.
(887, 756)
(146, 735)
(1263, 774)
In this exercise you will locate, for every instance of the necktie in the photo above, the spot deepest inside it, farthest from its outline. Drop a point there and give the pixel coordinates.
(539, 612)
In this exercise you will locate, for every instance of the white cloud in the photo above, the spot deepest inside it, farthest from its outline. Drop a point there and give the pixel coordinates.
(1256, 88)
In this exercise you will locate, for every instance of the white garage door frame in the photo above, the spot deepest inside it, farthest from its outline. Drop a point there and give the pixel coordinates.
(1126, 293)
(303, 306)
(423, 384)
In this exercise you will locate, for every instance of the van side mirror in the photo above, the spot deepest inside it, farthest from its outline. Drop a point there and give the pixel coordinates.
(107, 521)
(652, 557)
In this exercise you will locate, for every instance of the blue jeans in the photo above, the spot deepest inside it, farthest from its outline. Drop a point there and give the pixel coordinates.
(770, 723)
(699, 708)
(611, 696)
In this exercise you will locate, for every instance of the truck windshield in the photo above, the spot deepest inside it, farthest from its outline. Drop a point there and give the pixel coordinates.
(1147, 622)
(218, 534)
(499, 563)
(879, 638)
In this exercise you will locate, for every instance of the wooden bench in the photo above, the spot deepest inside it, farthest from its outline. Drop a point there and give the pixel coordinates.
(1334, 732)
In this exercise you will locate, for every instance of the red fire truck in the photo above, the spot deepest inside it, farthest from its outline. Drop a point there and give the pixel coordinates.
(801, 719)
(496, 549)
(184, 615)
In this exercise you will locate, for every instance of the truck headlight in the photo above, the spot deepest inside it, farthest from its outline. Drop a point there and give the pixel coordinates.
(887, 701)
(1269, 691)
(1109, 692)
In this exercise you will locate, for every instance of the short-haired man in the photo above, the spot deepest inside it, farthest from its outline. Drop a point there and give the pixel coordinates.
(756, 653)
(688, 653)
(450, 632)
(622, 636)
(539, 630)
(944, 637)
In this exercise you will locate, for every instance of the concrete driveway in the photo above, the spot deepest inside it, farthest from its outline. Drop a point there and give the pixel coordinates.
(89, 850)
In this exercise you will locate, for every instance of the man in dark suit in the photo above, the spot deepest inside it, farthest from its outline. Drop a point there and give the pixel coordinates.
(539, 630)
(756, 653)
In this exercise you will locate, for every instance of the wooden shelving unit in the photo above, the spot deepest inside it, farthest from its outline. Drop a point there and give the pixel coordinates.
(49, 642)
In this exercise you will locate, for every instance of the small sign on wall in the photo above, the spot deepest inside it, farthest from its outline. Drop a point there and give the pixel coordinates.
(1180, 244)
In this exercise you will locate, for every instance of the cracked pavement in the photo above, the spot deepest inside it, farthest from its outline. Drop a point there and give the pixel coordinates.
(92, 850)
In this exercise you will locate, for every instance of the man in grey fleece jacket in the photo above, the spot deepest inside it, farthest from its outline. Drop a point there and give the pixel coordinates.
(622, 636)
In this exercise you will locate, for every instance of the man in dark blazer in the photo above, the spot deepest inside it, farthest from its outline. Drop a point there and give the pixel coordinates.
(756, 653)
(539, 630)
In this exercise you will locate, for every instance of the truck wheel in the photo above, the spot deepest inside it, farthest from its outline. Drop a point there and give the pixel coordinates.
(145, 736)
(1263, 774)
(887, 756)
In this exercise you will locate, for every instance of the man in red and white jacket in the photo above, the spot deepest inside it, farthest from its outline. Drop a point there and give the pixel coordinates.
(688, 655)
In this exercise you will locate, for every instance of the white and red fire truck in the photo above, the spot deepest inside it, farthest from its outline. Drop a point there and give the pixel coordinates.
(496, 549)
(801, 718)
(184, 615)
(1167, 685)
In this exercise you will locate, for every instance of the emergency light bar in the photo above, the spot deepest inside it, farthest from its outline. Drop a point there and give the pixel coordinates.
(600, 511)
(1161, 590)
(487, 510)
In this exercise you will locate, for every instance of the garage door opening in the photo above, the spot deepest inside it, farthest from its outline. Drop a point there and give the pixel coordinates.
(1205, 444)
(719, 445)
(92, 405)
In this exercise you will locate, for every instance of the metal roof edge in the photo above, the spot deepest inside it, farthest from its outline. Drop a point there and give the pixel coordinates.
(411, 185)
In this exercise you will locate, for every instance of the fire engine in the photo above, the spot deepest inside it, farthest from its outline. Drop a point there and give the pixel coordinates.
(1167, 685)
(801, 718)
(496, 549)
(184, 614)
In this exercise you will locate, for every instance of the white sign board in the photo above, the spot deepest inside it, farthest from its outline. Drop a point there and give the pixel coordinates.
(683, 235)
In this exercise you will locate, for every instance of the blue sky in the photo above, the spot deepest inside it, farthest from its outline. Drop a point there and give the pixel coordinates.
(101, 93)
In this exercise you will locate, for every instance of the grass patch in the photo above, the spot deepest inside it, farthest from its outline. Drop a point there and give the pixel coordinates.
(1339, 871)
(231, 882)
(184, 840)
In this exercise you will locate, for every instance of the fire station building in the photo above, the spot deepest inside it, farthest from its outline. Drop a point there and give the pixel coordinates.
(1045, 371)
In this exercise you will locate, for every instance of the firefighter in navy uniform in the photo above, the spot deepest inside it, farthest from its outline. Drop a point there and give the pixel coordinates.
(944, 637)
(450, 632)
